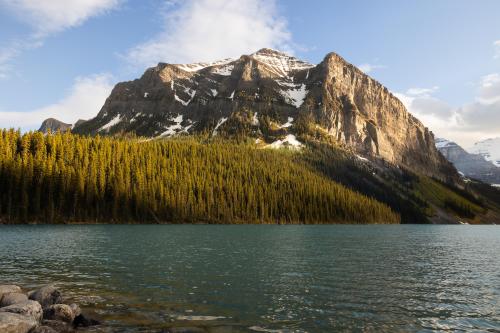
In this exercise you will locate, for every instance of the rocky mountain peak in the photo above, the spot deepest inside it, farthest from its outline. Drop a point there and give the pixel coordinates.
(262, 95)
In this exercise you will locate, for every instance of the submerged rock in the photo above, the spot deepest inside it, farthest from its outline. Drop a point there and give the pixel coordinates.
(47, 296)
(58, 326)
(43, 329)
(82, 321)
(185, 330)
(12, 298)
(28, 308)
(16, 323)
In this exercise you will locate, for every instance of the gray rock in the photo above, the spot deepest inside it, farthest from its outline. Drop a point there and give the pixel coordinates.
(28, 308)
(7, 289)
(43, 329)
(76, 309)
(47, 296)
(12, 298)
(61, 312)
(16, 323)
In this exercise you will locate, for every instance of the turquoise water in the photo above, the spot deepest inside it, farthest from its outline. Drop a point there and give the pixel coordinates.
(274, 278)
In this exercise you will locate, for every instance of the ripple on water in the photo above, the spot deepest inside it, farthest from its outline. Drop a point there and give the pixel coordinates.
(267, 278)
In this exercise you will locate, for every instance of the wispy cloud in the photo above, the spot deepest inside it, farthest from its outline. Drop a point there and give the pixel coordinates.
(83, 101)
(47, 18)
(496, 45)
(205, 30)
(368, 68)
(472, 122)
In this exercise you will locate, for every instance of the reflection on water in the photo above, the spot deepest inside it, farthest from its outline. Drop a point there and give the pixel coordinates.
(267, 278)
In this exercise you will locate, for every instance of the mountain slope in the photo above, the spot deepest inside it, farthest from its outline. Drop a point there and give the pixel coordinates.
(269, 95)
(471, 165)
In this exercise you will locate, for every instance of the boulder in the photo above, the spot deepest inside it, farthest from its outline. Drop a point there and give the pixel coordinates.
(12, 298)
(28, 308)
(16, 323)
(43, 329)
(7, 289)
(46, 296)
(61, 312)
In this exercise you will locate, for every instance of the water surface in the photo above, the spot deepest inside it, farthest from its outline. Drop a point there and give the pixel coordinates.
(267, 278)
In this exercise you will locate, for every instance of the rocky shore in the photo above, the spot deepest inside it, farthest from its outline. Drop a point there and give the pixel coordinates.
(43, 310)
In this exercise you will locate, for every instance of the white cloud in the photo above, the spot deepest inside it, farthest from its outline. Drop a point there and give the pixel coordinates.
(367, 68)
(52, 16)
(465, 125)
(496, 45)
(83, 101)
(47, 17)
(206, 30)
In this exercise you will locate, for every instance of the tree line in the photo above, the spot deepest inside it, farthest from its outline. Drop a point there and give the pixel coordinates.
(63, 177)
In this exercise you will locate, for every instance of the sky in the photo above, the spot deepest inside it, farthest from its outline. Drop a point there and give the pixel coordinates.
(61, 58)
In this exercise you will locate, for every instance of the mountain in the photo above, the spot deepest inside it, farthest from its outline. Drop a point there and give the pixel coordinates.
(54, 125)
(489, 149)
(273, 98)
(471, 165)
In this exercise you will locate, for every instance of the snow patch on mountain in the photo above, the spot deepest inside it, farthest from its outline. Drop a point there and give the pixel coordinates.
(294, 94)
(290, 141)
(219, 124)
(289, 123)
(172, 129)
(223, 70)
(111, 123)
(202, 65)
(280, 63)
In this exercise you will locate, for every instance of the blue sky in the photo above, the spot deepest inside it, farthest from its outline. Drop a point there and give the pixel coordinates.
(441, 57)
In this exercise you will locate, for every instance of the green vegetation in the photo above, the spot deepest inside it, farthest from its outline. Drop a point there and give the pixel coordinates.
(456, 201)
(69, 178)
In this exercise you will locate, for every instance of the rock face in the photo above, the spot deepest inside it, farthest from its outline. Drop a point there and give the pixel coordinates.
(471, 165)
(269, 95)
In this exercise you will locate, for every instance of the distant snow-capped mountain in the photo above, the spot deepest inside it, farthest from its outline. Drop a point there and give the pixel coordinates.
(470, 165)
(489, 149)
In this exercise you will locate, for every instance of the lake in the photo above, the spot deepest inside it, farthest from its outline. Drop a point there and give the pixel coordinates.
(249, 278)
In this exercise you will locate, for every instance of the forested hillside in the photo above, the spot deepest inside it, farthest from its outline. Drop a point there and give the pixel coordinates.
(69, 178)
